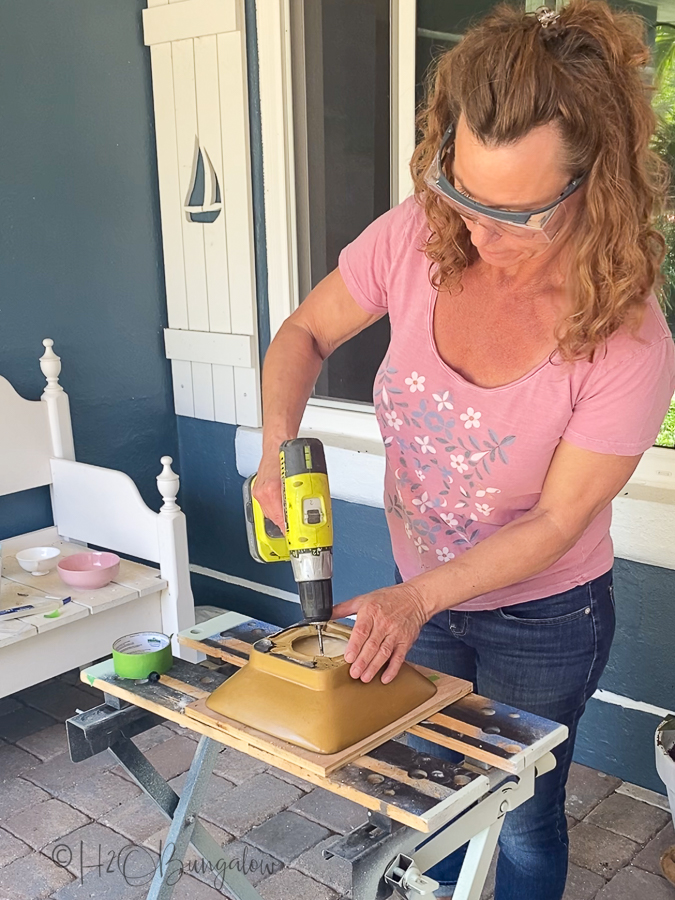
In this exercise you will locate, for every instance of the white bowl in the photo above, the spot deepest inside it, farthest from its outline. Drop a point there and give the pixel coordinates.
(38, 560)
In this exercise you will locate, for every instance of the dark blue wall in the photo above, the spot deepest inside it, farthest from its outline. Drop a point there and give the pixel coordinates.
(80, 245)
(642, 667)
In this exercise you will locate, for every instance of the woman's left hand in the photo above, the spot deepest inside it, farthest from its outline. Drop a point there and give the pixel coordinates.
(387, 624)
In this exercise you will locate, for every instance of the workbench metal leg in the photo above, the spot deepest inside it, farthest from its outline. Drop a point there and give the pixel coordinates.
(477, 862)
(185, 829)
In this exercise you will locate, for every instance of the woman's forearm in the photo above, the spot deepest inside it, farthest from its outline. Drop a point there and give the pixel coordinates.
(519, 550)
(292, 365)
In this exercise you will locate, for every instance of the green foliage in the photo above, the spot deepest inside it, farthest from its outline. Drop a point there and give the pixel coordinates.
(666, 436)
(664, 142)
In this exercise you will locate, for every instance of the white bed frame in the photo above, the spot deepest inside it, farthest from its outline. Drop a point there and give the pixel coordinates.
(91, 505)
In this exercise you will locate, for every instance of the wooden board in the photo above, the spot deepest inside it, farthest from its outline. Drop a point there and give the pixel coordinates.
(448, 689)
(379, 781)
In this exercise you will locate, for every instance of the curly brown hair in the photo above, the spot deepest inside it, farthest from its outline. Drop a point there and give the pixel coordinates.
(585, 73)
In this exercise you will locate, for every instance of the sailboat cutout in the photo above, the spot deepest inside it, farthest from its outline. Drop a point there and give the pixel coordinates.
(205, 202)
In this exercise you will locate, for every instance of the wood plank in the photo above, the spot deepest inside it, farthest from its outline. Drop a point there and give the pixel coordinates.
(209, 347)
(223, 394)
(13, 594)
(170, 199)
(436, 777)
(236, 170)
(447, 690)
(202, 391)
(470, 745)
(232, 656)
(196, 692)
(66, 615)
(401, 802)
(188, 19)
(187, 142)
(208, 120)
(142, 579)
(183, 398)
(14, 630)
(490, 736)
(535, 734)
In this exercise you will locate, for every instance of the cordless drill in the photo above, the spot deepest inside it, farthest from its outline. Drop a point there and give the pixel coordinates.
(308, 538)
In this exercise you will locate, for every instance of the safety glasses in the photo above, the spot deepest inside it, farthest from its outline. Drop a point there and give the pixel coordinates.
(539, 225)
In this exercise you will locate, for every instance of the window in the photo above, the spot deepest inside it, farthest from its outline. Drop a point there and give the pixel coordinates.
(342, 76)
(341, 104)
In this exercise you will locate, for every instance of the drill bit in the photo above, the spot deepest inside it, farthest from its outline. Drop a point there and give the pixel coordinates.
(319, 632)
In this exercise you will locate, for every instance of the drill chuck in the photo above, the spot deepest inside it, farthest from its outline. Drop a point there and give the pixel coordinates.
(316, 600)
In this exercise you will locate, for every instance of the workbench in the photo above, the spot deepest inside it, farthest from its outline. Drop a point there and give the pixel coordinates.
(418, 808)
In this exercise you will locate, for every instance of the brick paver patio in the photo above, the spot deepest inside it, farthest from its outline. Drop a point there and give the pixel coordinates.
(76, 832)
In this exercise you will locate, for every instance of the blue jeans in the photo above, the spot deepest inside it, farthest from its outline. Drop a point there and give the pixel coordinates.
(546, 657)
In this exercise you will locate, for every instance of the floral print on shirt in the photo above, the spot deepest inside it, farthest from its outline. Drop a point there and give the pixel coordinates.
(445, 477)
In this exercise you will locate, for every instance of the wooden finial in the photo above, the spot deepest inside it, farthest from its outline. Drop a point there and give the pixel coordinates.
(168, 483)
(50, 364)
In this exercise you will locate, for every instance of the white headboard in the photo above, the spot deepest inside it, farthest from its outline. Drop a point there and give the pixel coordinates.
(34, 431)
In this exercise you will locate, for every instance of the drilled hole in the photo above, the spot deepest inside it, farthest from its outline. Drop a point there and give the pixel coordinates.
(375, 779)
(488, 711)
(437, 774)
(425, 759)
(207, 679)
(461, 780)
(194, 631)
(492, 730)
(514, 715)
(512, 748)
(417, 773)
(390, 792)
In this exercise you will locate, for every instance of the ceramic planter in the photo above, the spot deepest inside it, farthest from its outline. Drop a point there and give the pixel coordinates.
(287, 691)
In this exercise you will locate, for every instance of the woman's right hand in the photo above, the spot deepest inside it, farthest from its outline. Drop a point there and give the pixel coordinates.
(267, 489)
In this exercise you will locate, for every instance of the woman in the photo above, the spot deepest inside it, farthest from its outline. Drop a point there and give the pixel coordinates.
(529, 368)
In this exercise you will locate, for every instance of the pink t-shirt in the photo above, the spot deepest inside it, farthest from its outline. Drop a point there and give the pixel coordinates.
(463, 460)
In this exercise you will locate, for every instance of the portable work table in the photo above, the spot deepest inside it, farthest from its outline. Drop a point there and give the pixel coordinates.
(411, 798)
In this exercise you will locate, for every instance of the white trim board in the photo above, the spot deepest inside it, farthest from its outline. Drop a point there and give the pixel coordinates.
(628, 703)
(210, 347)
(189, 19)
(245, 583)
(643, 521)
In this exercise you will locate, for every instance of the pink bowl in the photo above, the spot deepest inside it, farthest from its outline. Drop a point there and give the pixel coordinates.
(89, 571)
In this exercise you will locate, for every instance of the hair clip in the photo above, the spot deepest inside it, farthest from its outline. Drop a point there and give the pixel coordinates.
(551, 26)
(546, 16)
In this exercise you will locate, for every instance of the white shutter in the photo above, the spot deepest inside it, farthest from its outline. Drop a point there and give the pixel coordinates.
(201, 118)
